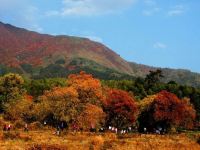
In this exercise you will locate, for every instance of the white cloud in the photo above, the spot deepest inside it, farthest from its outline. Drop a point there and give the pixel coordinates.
(151, 8)
(159, 45)
(90, 7)
(151, 12)
(176, 10)
(94, 38)
(150, 2)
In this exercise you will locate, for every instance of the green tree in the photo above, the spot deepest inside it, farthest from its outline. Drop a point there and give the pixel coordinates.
(11, 89)
(153, 78)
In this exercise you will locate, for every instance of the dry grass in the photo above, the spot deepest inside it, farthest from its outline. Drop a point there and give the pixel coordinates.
(46, 140)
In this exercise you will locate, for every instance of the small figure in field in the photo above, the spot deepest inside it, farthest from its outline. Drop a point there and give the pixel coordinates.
(113, 129)
(9, 127)
(157, 131)
(62, 126)
(116, 130)
(58, 130)
(145, 130)
(26, 127)
(129, 129)
(45, 122)
(101, 129)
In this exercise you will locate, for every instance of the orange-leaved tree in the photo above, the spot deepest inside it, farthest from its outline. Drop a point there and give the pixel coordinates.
(120, 108)
(89, 89)
(92, 117)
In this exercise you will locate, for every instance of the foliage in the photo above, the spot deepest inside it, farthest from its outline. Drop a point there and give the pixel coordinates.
(87, 102)
(153, 78)
(166, 110)
(20, 109)
(140, 89)
(38, 87)
(92, 117)
(120, 108)
(145, 104)
(89, 89)
(173, 111)
(11, 88)
(70, 104)
(61, 104)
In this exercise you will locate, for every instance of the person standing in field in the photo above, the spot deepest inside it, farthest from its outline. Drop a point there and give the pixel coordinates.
(26, 127)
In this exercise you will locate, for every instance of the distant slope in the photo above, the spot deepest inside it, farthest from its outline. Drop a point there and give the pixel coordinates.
(41, 55)
(181, 76)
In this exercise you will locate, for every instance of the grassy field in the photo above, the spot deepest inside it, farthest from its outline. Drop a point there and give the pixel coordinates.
(47, 140)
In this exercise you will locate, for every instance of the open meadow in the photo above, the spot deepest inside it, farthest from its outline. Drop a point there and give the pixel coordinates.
(47, 140)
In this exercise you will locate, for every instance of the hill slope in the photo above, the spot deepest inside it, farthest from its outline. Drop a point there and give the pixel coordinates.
(181, 76)
(41, 55)
(19, 46)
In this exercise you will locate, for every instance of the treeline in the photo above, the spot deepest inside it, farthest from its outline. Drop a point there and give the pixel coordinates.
(82, 102)
(73, 66)
(151, 84)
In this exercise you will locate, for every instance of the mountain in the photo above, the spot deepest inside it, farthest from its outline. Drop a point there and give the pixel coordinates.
(181, 76)
(19, 46)
(41, 55)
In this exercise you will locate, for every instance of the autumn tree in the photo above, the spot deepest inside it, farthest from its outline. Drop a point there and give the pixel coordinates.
(89, 89)
(11, 88)
(145, 117)
(92, 117)
(57, 105)
(120, 108)
(20, 110)
(166, 110)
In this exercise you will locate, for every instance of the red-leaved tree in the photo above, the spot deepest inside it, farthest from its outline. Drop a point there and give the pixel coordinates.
(173, 111)
(120, 108)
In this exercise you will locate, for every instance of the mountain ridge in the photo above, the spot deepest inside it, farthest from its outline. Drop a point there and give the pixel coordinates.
(33, 54)
(25, 42)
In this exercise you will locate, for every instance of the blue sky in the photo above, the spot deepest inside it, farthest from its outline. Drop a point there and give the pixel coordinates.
(163, 33)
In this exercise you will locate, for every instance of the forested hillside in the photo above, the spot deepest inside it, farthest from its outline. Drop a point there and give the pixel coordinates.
(37, 56)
